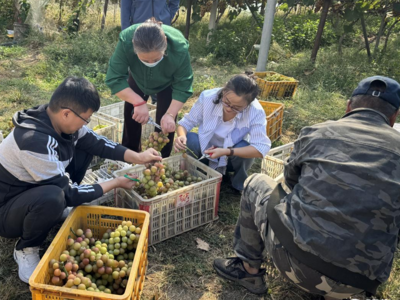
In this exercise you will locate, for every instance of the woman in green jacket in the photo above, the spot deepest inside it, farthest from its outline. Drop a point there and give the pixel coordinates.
(150, 59)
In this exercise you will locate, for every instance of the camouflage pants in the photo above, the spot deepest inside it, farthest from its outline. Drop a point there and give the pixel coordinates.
(253, 236)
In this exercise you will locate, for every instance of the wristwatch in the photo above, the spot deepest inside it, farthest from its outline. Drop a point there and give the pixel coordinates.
(232, 151)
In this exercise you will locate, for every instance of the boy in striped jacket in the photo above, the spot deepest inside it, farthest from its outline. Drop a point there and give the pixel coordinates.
(42, 162)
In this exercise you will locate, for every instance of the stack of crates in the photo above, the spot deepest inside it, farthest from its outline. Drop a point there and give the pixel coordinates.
(115, 114)
(109, 131)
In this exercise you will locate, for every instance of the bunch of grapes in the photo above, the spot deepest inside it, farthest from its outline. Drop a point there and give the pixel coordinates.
(97, 265)
(111, 168)
(157, 141)
(159, 179)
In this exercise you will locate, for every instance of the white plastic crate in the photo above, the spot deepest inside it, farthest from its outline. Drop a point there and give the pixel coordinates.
(115, 113)
(180, 210)
(109, 131)
(118, 165)
(273, 163)
(101, 175)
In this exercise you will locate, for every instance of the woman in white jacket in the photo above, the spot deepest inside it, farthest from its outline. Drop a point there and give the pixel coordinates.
(231, 128)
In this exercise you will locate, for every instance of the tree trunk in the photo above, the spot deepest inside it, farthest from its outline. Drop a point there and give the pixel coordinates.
(60, 15)
(213, 15)
(188, 14)
(380, 33)
(387, 36)
(103, 20)
(213, 18)
(16, 10)
(321, 25)
(364, 29)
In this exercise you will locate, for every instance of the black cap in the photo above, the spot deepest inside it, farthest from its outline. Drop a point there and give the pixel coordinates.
(391, 93)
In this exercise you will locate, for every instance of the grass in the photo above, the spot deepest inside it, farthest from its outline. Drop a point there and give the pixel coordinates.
(177, 269)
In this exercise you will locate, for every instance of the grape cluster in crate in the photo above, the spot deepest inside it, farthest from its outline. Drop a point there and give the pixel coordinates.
(157, 141)
(97, 266)
(159, 179)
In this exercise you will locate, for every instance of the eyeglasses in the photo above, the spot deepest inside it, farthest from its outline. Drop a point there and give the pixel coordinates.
(224, 103)
(76, 114)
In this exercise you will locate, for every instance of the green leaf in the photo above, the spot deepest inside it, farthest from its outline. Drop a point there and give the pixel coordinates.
(350, 15)
(309, 2)
(291, 2)
(348, 28)
(196, 17)
(396, 7)
(284, 7)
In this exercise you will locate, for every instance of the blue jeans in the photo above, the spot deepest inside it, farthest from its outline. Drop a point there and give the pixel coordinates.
(238, 165)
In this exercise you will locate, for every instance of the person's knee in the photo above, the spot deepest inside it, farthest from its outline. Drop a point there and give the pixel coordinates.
(241, 162)
(260, 183)
(54, 198)
(193, 141)
(192, 137)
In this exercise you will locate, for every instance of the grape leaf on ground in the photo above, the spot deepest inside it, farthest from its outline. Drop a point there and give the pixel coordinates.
(202, 245)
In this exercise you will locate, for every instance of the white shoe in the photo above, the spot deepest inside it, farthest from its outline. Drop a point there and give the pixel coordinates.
(27, 260)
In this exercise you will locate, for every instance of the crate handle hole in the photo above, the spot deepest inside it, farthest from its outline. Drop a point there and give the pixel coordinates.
(110, 217)
(201, 171)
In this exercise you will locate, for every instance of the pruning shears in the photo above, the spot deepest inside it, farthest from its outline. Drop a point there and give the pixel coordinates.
(207, 155)
(133, 179)
(151, 121)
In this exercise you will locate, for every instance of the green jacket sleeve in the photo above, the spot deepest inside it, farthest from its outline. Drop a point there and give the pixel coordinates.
(182, 81)
(117, 72)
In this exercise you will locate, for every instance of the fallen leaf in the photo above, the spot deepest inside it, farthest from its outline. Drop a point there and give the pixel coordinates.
(309, 72)
(202, 245)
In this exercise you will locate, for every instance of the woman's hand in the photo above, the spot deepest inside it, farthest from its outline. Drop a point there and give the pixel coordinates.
(141, 113)
(150, 155)
(217, 152)
(180, 143)
(168, 124)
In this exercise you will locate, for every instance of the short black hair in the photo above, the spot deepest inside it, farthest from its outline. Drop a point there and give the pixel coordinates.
(76, 93)
(372, 102)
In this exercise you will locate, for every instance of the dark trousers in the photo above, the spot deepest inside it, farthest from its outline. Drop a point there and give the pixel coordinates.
(31, 214)
(79, 165)
(133, 130)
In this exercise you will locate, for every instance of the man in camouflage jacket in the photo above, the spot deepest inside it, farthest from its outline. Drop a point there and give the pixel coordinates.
(342, 205)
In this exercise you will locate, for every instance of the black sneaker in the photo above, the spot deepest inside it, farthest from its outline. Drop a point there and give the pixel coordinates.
(232, 268)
